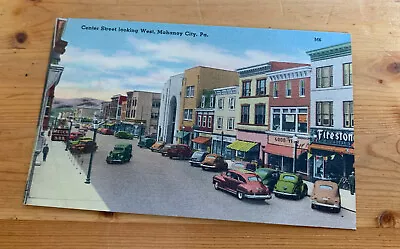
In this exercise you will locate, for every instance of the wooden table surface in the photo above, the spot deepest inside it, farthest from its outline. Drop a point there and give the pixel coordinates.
(26, 30)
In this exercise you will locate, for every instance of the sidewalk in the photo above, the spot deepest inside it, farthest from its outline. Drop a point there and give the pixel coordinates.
(348, 200)
(60, 182)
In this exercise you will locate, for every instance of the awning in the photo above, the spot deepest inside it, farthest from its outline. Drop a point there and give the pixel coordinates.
(201, 140)
(340, 150)
(241, 145)
(182, 134)
(282, 150)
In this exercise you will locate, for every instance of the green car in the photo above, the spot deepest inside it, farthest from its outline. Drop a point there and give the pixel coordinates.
(290, 185)
(123, 135)
(268, 176)
(121, 153)
(146, 142)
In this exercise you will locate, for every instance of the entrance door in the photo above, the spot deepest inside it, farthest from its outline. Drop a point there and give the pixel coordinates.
(319, 169)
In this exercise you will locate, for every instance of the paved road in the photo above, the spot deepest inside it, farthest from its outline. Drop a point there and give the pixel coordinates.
(153, 184)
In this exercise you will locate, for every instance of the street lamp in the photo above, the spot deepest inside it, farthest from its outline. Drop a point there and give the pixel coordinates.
(183, 134)
(95, 126)
(222, 141)
(295, 140)
(263, 155)
(69, 133)
(141, 132)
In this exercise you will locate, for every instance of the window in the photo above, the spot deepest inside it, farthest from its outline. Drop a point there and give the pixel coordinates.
(347, 74)
(302, 120)
(221, 102)
(288, 89)
(275, 90)
(293, 119)
(134, 113)
(288, 122)
(187, 114)
(231, 103)
(324, 113)
(203, 101)
(199, 120)
(245, 114)
(212, 101)
(209, 125)
(302, 88)
(231, 124)
(220, 122)
(324, 77)
(190, 91)
(260, 114)
(246, 88)
(204, 121)
(261, 87)
(156, 104)
(348, 114)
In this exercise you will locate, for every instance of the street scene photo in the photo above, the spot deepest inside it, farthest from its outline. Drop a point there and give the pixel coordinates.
(226, 123)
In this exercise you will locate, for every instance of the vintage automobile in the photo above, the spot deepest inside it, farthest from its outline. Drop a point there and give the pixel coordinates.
(290, 185)
(326, 195)
(84, 146)
(214, 161)
(157, 146)
(243, 166)
(181, 151)
(105, 131)
(121, 153)
(242, 184)
(146, 142)
(75, 135)
(197, 158)
(123, 135)
(268, 176)
(81, 139)
(164, 150)
(77, 125)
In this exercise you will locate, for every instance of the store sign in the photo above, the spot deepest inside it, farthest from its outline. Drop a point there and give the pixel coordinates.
(59, 134)
(288, 141)
(343, 138)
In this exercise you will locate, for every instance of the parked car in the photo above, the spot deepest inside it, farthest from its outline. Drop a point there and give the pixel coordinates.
(197, 158)
(242, 184)
(268, 176)
(243, 166)
(326, 194)
(164, 150)
(146, 142)
(181, 151)
(121, 153)
(157, 146)
(123, 135)
(77, 126)
(85, 146)
(81, 139)
(105, 131)
(290, 185)
(214, 161)
(75, 135)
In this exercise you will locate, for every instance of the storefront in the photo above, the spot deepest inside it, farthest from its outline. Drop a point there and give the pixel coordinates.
(331, 154)
(280, 151)
(219, 147)
(246, 151)
(202, 142)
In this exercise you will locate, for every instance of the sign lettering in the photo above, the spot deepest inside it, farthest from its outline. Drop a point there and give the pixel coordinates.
(288, 141)
(333, 137)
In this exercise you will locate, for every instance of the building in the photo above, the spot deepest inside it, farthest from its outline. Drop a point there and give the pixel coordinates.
(142, 109)
(168, 124)
(116, 106)
(194, 82)
(123, 109)
(87, 112)
(225, 120)
(253, 109)
(332, 117)
(204, 116)
(289, 102)
(105, 110)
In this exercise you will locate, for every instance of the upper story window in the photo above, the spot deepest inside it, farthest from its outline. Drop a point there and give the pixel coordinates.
(199, 120)
(246, 88)
(347, 74)
(259, 114)
(290, 119)
(190, 91)
(203, 101)
(261, 87)
(288, 89)
(302, 88)
(231, 124)
(209, 123)
(221, 103)
(204, 121)
(245, 114)
(212, 97)
(324, 113)
(275, 90)
(231, 102)
(220, 122)
(324, 77)
(348, 114)
(188, 114)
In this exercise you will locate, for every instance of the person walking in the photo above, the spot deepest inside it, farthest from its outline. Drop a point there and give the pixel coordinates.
(352, 183)
(45, 152)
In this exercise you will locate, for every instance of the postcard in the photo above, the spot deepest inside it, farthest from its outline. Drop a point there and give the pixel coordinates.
(224, 123)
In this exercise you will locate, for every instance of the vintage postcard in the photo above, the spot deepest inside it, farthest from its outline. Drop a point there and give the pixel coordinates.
(226, 123)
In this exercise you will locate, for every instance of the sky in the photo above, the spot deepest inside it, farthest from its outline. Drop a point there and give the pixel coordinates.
(101, 63)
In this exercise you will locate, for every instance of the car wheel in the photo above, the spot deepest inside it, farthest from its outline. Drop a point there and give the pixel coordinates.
(239, 195)
(170, 157)
(204, 168)
(277, 195)
(305, 191)
(337, 210)
(181, 157)
(216, 185)
(313, 206)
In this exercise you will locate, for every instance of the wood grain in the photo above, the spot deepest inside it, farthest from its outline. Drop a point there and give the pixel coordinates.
(376, 64)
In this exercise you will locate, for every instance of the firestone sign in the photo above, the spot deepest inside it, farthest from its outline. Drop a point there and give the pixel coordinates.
(343, 138)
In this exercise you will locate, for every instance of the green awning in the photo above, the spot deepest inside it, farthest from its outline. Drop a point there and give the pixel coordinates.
(182, 134)
(241, 145)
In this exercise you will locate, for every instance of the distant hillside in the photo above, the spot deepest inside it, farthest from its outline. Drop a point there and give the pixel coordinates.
(77, 102)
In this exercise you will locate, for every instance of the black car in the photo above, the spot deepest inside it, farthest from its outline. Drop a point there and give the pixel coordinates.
(197, 158)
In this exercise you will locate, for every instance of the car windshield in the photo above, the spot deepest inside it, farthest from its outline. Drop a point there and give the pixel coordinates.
(254, 179)
(289, 178)
(239, 165)
(325, 187)
(197, 154)
(119, 148)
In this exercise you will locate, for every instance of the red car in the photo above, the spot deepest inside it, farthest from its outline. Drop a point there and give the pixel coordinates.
(181, 151)
(242, 184)
(75, 135)
(106, 131)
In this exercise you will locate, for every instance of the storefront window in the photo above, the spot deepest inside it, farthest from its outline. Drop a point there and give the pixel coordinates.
(287, 164)
(274, 161)
(319, 167)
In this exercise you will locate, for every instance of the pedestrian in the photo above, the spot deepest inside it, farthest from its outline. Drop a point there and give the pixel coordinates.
(352, 183)
(45, 152)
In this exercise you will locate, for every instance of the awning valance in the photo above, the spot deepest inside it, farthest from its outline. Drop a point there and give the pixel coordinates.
(241, 145)
(340, 150)
(201, 140)
(182, 134)
(282, 150)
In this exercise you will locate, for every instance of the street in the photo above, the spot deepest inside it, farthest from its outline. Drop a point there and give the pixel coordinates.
(153, 184)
